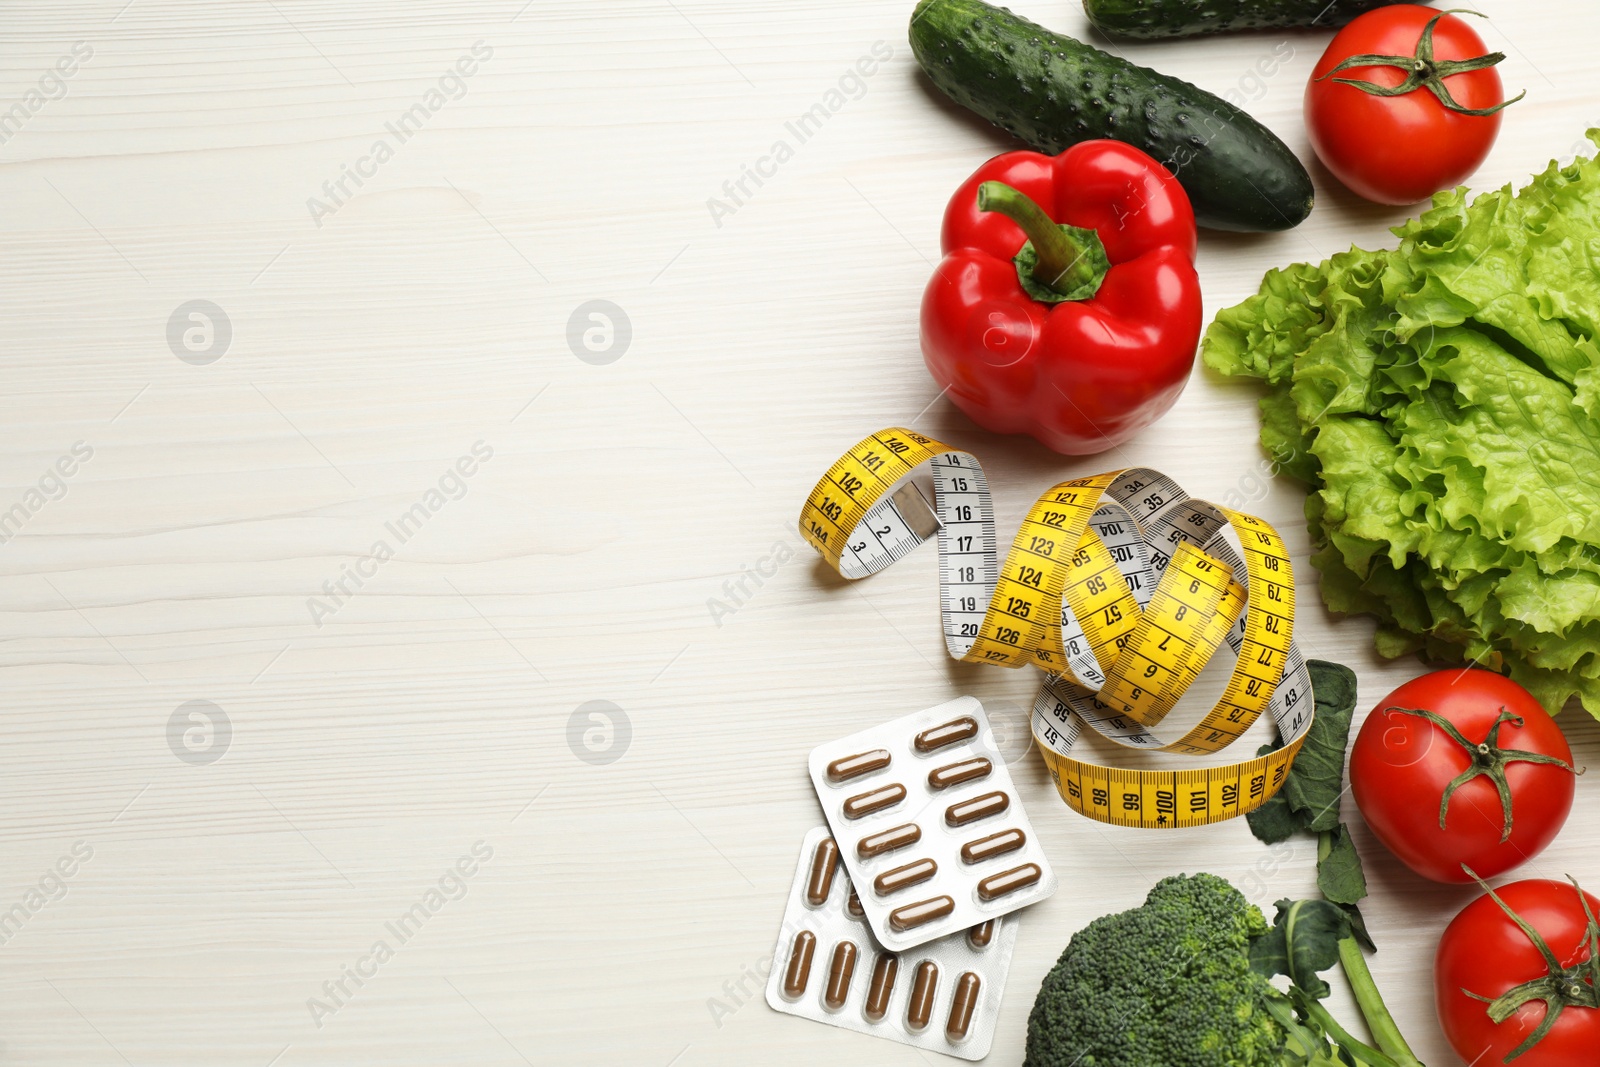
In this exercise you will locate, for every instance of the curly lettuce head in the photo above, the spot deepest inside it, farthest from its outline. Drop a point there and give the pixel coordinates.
(1442, 399)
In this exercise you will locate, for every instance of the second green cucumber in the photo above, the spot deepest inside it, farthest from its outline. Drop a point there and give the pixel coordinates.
(1151, 19)
(1053, 92)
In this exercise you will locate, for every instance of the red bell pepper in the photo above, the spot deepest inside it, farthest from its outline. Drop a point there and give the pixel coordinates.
(1066, 305)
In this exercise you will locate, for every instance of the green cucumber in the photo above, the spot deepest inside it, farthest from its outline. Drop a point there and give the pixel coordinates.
(1151, 19)
(1054, 92)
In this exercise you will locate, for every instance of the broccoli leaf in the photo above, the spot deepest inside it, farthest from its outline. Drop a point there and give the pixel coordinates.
(1316, 781)
(1339, 873)
(1341, 879)
(1275, 820)
(1304, 939)
(1358, 927)
(1309, 799)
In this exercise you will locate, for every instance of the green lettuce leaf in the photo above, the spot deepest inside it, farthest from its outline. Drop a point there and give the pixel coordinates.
(1442, 401)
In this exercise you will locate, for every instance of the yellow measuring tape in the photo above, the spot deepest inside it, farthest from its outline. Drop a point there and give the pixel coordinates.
(1120, 587)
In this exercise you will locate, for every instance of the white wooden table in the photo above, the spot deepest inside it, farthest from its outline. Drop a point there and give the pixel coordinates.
(387, 517)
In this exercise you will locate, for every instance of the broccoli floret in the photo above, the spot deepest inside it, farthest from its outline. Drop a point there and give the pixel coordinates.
(1167, 984)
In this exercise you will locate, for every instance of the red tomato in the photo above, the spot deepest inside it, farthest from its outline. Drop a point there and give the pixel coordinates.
(1401, 149)
(1483, 952)
(1401, 765)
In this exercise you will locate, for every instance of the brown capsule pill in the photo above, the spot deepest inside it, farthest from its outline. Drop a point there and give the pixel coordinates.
(966, 811)
(824, 862)
(853, 905)
(987, 848)
(920, 1008)
(847, 767)
(937, 737)
(874, 800)
(914, 873)
(968, 770)
(798, 973)
(882, 987)
(998, 885)
(980, 936)
(923, 911)
(888, 840)
(962, 1005)
(840, 970)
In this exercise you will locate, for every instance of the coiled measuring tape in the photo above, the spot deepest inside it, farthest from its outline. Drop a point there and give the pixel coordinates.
(1120, 587)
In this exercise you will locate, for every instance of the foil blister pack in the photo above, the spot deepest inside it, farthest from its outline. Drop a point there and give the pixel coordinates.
(943, 995)
(929, 825)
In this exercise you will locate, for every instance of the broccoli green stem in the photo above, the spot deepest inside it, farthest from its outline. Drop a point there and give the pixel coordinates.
(1382, 1025)
(1369, 1055)
(1385, 1031)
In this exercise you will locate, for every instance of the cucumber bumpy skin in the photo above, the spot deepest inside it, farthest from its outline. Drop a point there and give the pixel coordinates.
(1148, 20)
(1053, 92)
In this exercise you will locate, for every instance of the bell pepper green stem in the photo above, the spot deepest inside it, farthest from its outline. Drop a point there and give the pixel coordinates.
(1064, 264)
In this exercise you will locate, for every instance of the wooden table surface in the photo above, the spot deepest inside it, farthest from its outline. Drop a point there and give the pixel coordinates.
(375, 583)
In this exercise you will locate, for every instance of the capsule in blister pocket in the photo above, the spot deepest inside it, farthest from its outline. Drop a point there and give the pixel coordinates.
(840, 970)
(924, 987)
(882, 988)
(962, 1005)
(797, 975)
(824, 862)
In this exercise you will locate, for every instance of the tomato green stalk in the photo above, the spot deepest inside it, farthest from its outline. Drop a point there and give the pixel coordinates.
(1385, 1031)
(1559, 987)
(1489, 760)
(1424, 71)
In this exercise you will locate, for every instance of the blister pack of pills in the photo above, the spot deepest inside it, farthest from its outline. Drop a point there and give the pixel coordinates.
(929, 824)
(943, 995)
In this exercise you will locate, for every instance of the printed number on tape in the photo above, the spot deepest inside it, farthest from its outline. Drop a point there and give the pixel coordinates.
(1120, 587)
